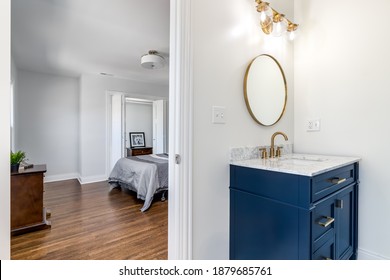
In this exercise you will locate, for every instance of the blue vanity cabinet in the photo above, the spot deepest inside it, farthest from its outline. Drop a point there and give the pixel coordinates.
(276, 215)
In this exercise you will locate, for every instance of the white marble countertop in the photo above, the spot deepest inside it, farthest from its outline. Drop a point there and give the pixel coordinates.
(300, 164)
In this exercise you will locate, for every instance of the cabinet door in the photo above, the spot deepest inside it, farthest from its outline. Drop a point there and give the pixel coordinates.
(262, 228)
(26, 200)
(335, 218)
(345, 223)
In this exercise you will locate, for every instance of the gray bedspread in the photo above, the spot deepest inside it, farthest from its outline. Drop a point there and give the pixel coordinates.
(146, 175)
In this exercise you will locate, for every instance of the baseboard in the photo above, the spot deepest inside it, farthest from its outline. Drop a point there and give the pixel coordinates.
(60, 177)
(367, 255)
(91, 179)
(69, 176)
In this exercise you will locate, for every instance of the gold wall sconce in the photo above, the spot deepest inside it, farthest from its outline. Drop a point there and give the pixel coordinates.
(274, 23)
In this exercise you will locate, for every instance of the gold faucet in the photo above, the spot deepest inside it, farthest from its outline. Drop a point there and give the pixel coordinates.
(272, 149)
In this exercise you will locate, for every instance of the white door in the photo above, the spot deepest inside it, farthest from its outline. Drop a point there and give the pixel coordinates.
(159, 126)
(117, 137)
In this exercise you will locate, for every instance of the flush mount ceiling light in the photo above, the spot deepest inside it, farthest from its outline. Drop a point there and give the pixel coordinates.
(152, 60)
(274, 23)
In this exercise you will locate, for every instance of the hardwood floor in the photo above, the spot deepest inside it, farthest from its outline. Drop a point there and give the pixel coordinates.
(91, 223)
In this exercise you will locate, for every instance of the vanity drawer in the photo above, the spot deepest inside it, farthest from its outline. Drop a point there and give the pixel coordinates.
(326, 252)
(273, 185)
(323, 220)
(332, 181)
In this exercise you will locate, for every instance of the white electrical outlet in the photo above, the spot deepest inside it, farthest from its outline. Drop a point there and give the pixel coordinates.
(218, 115)
(313, 125)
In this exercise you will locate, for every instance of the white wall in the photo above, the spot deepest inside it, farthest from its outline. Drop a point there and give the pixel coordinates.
(93, 126)
(139, 118)
(61, 121)
(5, 78)
(342, 77)
(46, 124)
(14, 88)
(226, 37)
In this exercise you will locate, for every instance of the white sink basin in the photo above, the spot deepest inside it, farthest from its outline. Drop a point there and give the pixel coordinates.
(302, 160)
(305, 158)
(299, 161)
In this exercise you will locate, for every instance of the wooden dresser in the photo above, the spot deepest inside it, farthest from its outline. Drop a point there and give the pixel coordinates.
(139, 151)
(27, 211)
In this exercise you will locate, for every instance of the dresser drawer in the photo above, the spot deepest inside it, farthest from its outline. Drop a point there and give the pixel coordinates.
(332, 181)
(140, 151)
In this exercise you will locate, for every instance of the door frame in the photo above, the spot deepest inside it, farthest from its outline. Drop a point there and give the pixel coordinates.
(109, 95)
(180, 132)
(124, 95)
(109, 132)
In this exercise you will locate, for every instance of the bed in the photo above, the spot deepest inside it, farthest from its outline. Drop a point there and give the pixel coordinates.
(146, 175)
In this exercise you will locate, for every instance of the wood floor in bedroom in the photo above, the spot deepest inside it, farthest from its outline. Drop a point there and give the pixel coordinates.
(89, 222)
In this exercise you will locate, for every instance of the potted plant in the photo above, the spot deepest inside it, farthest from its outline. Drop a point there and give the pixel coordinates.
(16, 159)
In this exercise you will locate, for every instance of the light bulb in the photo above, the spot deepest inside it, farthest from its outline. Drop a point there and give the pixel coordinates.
(280, 25)
(263, 17)
(292, 31)
(266, 14)
(291, 35)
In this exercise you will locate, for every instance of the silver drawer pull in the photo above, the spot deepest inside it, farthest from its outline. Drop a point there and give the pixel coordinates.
(328, 221)
(339, 203)
(327, 258)
(337, 180)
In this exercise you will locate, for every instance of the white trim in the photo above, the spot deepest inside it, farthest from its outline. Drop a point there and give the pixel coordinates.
(135, 95)
(367, 255)
(110, 93)
(180, 132)
(138, 101)
(92, 179)
(5, 77)
(61, 177)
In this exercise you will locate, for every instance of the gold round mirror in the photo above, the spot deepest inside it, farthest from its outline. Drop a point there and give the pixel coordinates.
(265, 90)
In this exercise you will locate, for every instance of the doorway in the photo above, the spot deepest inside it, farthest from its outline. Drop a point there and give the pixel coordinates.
(127, 113)
(180, 233)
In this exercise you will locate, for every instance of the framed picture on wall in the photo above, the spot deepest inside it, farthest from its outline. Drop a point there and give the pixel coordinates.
(137, 139)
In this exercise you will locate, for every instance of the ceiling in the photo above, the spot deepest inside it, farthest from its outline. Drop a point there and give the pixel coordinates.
(71, 37)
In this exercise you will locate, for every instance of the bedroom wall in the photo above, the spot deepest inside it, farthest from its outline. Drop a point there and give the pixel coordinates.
(93, 112)
(342, 77)
(225, 37)
(5, 77)
(139, 118)
(46, 124)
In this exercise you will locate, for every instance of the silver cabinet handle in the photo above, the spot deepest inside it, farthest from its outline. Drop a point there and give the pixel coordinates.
(327, 222)
(339, 203)
(337, 180)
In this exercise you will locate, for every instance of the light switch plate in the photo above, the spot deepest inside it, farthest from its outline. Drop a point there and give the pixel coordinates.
(218, 115)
